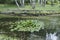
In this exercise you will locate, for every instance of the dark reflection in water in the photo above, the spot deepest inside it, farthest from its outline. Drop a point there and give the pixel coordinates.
(35, 37)
(38, 35)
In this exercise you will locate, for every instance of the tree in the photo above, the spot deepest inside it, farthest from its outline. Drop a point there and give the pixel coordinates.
(33, 3)
(44, 2)
(38, 1)
(17, 3)
(30, 2)
(22, 3)
(41, 2)
(52, 2)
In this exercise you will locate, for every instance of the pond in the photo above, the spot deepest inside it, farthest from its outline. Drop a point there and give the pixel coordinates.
(49, 32)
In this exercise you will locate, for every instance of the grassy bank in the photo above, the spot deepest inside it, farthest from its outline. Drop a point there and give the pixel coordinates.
(6, 7)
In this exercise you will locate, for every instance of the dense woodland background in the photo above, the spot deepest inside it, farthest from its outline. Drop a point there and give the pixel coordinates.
(26, 1)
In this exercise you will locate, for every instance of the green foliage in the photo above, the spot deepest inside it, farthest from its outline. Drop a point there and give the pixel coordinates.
(54, 2)
(26, 1)
(27, 25)
(48, 2)
(7, 1)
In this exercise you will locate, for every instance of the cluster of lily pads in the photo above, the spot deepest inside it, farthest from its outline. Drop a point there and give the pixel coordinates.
(27, 25)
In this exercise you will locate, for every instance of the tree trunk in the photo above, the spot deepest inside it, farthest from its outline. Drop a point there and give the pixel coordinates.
(41, 2)
(30, 2)
(17, 3)
(22, 3)
(33, 4)
(44, 2)
(52, 2)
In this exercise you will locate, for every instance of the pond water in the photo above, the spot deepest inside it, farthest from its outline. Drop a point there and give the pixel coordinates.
(53, 23)
(48, 37)
(35, 37)
(51, 36)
